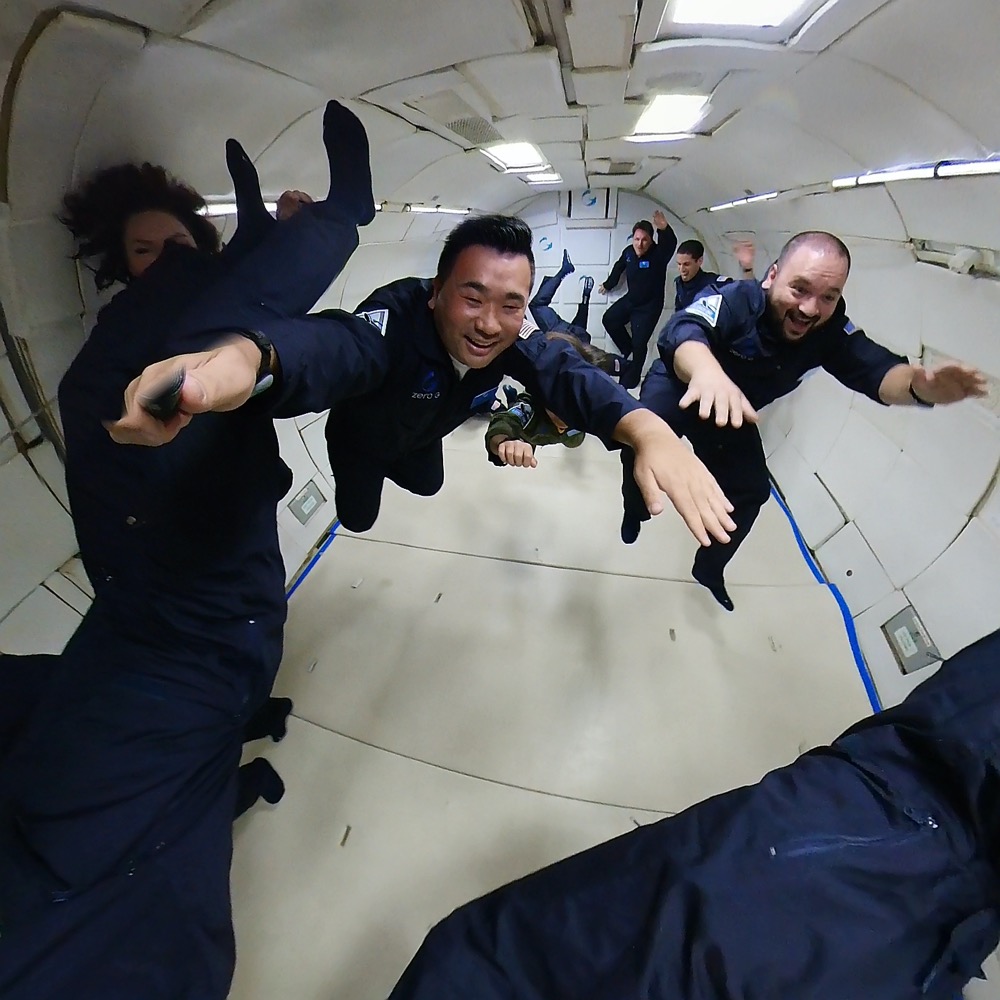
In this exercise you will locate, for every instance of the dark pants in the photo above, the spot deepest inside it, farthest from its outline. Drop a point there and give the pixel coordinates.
(548, 319)
(359, 482)
(125, 775)
(864, 869)
(735, 456)
(642, 319)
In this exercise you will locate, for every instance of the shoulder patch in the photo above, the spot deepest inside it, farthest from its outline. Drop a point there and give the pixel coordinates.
(377, 317)
(528, 327)
(849, 327)
(708, 308)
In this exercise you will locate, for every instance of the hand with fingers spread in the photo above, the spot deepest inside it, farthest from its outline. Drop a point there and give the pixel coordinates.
(948, 383)
(745, 252)
(710, 387)
(664, 465)
(216, 380)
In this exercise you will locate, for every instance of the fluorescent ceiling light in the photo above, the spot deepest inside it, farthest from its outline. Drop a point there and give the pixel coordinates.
(971, 168)
(903, 174)
(745, 13)
(659, 136)
(438, 210)
(744, 201)
(515, 156)
(843, 182)
(727, 204)
(229, 208)
(762, 197)
(671, 113)
(547, 177)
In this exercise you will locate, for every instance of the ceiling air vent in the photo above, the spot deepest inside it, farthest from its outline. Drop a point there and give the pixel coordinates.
(614, 168)
(454, 113)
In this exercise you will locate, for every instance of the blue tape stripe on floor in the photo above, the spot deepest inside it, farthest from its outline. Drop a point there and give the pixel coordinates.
(315, 559)
(845, 611)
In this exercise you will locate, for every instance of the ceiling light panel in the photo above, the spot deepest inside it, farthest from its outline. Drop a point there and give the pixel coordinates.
(516, 156)
(736, 13)
(671, 113)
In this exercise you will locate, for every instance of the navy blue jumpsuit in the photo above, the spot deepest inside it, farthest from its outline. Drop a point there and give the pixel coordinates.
(865, 870)
(642, 304)
(685, 292)
(733, 322)
(548, 320)
(117, 791)
(408, 396)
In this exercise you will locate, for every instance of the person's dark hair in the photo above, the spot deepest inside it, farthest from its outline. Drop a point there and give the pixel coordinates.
(96, 213)
(504, 233)
(645, 226)
(594, 355)
(693, 248)
(817, 240)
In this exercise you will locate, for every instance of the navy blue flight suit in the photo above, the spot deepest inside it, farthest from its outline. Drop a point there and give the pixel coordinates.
(866, 869)
(405, 395)
(642, 304)
(548, 320)
(118, 790)
(685, 292)
(733, 322)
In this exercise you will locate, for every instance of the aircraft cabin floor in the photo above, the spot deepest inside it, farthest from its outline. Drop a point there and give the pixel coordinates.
(489, 680)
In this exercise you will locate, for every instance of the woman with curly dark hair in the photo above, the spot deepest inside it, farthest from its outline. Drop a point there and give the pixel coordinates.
(123, 215)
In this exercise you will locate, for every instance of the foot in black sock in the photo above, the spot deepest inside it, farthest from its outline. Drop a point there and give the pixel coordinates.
(717, 588)
(630, 529)
(253, 219)
(270, 720)
(347, 151)
(588, 286)
(269, 785)
(567, 265)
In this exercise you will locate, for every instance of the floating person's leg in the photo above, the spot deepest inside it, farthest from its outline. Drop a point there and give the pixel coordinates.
(271, 719)
(615, 318)
(582, 317)
(257, 780)
(253, 221)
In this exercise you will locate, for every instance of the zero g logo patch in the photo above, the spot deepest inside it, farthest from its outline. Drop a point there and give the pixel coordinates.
(708, 308)
(429, 386)
(377, 317)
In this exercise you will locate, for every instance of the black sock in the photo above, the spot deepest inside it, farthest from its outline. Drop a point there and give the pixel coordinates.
(630, 529)
(271, 719)
(253, 220)
(258, 780)
(716, 586)
(567, 266)
(347, 151)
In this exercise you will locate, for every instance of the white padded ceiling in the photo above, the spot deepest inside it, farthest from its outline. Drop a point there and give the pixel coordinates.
(348, 48)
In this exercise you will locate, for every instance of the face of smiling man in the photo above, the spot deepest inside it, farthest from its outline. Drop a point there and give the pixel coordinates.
(803, 293)
(479, 307)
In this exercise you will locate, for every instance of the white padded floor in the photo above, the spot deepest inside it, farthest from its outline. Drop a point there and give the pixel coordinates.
(489, 681)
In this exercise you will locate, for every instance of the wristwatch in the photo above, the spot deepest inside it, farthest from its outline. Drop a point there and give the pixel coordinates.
(264, 376)
(918, 400)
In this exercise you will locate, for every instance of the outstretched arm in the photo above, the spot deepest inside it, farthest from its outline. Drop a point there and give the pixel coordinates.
(664, 465)
(913, 385)
(710, 387)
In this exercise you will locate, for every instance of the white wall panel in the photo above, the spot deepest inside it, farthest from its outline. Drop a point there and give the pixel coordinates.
(895, 422)
(887, 301)
(775, 424)
(60, 76)
(44, 274)
(41, 623)
(909, 521)
(816, 512)
(821, 406)
(50, 349)
(599, 86)
(858, 464)
(958, 311)
(989, 514)
(850, 564)
(958, 448)
(589, 247)
(956, 597)
(951, 210)
(37, 537)
(891, 683)
(601, 38)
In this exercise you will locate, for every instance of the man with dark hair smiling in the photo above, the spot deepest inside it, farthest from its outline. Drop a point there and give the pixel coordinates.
(734, 351)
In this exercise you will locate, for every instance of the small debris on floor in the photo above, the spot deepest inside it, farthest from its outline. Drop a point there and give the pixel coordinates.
(347, 833)
(673, 636)
(438, 598)
(312, 666)
(357, 583)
